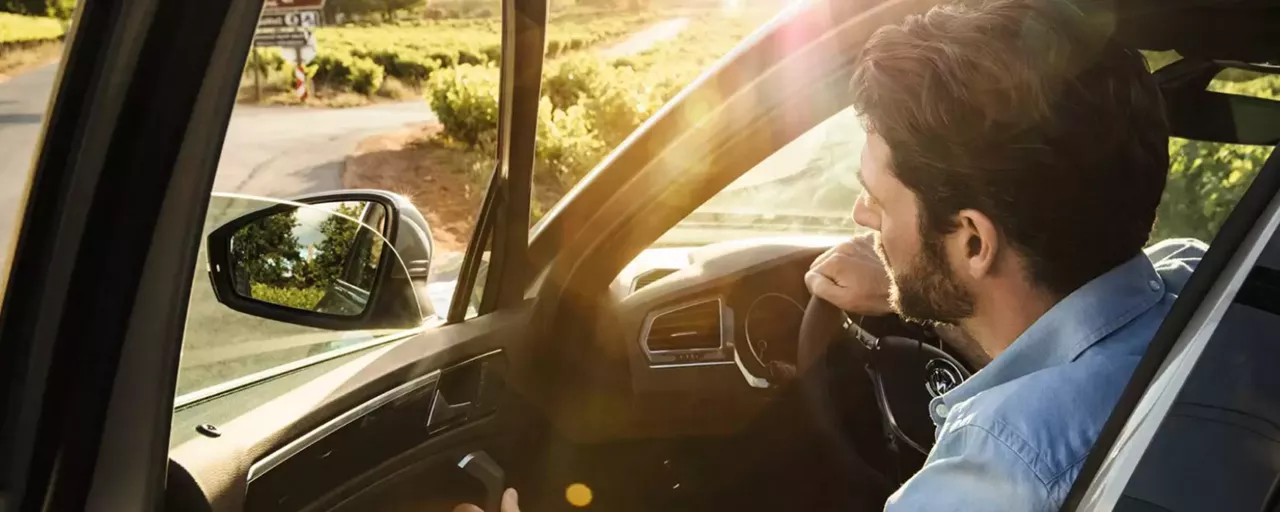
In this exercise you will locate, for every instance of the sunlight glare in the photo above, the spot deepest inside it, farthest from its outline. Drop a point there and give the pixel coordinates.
(578, 495)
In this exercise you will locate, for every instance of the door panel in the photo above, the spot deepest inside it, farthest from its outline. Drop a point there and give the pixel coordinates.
(405, 426)
(372, 415)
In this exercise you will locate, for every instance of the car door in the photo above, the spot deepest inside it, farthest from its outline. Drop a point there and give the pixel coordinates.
(95, 308)
(1196, 427)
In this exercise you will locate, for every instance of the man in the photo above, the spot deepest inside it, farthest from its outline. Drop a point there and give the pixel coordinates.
(1013, 166)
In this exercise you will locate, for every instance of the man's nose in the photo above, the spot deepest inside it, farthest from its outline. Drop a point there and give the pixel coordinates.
(864, 215)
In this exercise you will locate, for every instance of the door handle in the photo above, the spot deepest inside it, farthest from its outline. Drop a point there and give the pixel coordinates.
(481, 466)
(465, 392)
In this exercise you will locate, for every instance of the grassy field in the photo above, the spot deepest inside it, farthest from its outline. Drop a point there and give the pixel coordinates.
(395, 60)
(604, 77)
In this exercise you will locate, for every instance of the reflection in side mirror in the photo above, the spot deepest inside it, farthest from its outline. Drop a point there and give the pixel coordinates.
(322, 259)
(329, 260)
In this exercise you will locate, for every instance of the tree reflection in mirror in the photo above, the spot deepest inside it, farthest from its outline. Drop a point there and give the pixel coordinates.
(323, 258)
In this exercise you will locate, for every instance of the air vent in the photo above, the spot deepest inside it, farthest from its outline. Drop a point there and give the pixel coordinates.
(648, 277)
(691, 327)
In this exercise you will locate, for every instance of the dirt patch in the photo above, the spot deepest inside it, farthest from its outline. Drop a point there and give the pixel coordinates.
(441, 181)
(18, 57)
(278, 90)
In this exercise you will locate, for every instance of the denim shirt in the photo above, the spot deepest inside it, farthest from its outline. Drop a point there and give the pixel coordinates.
(1014, 436)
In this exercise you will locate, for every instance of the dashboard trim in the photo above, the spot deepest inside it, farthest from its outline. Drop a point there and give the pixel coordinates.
(691, 365)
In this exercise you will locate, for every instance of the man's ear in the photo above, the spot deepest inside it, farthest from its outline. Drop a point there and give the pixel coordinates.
(979, 243)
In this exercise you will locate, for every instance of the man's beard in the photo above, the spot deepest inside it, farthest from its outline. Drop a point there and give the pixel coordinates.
(925, 290)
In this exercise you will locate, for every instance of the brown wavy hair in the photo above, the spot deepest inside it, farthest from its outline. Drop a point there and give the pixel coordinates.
(1028, 112)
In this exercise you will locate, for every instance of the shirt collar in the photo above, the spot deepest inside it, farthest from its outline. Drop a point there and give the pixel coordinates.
(1070, 327)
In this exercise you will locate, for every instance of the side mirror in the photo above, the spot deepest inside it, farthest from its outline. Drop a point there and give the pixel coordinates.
(340, 260)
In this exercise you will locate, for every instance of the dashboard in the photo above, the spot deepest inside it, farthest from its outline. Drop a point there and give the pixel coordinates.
(678, 318)
(684, 315)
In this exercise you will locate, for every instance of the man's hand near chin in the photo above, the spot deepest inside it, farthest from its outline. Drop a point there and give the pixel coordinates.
(509, 504)
(851, 277)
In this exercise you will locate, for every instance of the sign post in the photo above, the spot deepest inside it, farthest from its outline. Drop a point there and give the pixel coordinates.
(257, 76)
(288, 24)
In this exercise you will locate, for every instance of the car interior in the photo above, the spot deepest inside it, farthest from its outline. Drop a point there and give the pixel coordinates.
(647, 383)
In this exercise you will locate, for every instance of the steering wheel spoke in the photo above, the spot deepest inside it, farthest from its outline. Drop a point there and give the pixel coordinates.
(904, 374)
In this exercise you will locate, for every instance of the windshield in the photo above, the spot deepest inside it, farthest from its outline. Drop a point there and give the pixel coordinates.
(806, 188)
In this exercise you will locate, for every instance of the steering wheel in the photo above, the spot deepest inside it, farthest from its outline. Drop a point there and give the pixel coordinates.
(904, 373)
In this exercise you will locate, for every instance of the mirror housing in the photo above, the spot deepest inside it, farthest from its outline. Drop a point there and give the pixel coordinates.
(311, 284)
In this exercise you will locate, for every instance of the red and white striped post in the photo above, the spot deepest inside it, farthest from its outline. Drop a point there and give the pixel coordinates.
(300, 82)
(299, 76)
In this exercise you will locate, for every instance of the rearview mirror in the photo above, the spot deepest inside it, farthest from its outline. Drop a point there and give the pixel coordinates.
(328, 261)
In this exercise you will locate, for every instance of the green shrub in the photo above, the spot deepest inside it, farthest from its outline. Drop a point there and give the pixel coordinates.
(15, 28)
(299, 298)
(616, 99)
(410, 50)
(567, 146)
(445, 59)
(1206, 180)
(618, 103)
(366, 76)
(571, 80)
(465, 99)
(470, 57)
(345, 72)
(394, 89)
(269, 60)
(589, 106)
(408, 66)
(492, 52)
(62, 9)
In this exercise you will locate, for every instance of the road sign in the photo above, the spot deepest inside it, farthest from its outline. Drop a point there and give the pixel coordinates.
(284, 5)
(282, 39)
(289, 19)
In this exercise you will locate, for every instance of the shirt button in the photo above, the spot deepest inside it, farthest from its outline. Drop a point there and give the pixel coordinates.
(1155, 285)
(941, 410)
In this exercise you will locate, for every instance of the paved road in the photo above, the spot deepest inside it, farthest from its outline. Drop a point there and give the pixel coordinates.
(645, 39)
(269, 151)
(22, 105)
(283, 151)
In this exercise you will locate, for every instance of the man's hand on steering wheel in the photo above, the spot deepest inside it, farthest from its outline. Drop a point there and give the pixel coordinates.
(851, 277)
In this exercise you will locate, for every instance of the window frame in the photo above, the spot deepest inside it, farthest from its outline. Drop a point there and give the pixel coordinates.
(504, 213)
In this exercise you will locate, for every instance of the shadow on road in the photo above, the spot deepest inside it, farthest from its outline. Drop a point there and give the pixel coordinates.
(20, 118)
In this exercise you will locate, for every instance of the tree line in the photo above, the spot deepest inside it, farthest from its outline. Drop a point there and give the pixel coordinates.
(268, 252)
(50, 8)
